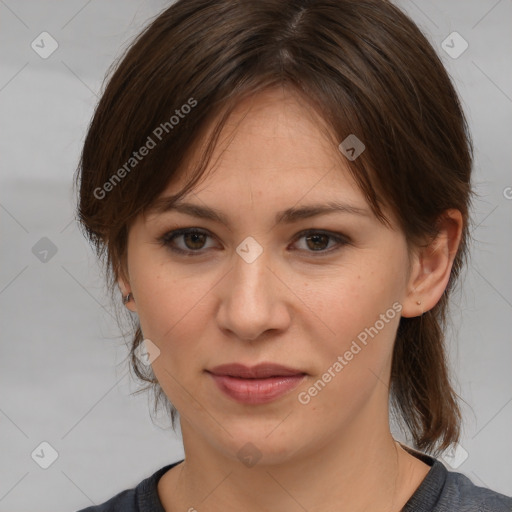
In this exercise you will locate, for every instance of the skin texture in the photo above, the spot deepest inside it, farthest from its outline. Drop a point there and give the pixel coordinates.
(300, 304)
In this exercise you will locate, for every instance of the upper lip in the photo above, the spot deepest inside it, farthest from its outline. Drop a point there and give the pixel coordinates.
(260, 371)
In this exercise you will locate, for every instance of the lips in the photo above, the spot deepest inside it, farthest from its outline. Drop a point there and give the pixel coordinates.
(260, 371)
(258, 384)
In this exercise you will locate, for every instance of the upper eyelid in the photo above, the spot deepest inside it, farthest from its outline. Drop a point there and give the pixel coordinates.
(303, 232)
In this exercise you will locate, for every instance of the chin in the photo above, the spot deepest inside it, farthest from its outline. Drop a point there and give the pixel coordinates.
(252, 446)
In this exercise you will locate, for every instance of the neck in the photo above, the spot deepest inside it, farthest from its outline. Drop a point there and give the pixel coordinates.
(337, 474)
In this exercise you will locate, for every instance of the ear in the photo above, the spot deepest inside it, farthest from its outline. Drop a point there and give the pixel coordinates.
(123, 281)
(432, 265)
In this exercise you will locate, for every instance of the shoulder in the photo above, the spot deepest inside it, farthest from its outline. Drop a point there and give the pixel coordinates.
(460, 493)
(140, 498)
(443, 490)
(125, 501)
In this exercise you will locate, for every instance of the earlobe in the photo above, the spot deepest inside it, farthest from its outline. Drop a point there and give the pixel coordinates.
(129, 301)
(126, 294)
(432, 265)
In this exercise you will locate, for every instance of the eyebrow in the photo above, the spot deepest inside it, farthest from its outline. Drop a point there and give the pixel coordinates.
(288, 216)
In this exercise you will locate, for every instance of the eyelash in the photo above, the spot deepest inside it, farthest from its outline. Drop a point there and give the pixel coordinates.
(168, 238)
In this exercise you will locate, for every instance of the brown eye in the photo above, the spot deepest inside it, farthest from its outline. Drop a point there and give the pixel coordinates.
(193, 240)
(318, 241)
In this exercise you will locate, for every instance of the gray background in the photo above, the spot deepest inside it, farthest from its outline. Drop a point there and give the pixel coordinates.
(61, 374)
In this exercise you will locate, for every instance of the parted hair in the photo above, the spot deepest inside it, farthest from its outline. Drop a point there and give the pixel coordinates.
(366, 69)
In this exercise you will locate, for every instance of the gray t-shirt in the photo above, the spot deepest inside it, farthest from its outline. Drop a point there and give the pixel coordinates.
(440, 491)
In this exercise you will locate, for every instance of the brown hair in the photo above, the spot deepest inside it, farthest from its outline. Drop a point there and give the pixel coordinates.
(366, 68)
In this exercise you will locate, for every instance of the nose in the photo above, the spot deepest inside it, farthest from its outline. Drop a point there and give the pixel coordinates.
(254, 299)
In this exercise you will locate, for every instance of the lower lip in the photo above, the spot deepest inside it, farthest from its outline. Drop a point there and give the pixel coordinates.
(256, 391)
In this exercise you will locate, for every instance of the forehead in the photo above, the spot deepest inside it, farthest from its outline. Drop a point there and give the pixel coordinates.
(273, 147)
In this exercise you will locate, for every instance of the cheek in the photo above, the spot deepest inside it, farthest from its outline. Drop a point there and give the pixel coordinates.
(351, 302)
(362, 311)
(172, 310)
(172, 314)
(354, 363)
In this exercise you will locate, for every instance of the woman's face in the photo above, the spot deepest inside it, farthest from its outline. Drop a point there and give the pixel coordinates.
(255, 290)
